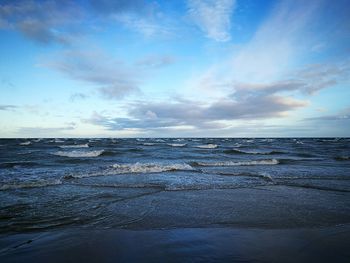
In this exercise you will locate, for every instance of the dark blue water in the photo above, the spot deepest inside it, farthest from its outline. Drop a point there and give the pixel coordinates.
(165, 183)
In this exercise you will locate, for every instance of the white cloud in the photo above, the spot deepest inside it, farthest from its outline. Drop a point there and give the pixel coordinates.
(213, 17)
(277, 44)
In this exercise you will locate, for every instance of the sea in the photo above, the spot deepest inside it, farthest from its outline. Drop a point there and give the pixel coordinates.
(55, 185)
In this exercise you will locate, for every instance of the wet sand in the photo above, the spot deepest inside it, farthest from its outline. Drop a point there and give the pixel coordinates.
(328, 244)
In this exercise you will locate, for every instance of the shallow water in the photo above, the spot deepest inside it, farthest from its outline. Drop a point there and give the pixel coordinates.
(166, 183)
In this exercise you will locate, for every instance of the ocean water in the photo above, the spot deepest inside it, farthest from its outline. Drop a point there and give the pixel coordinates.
(49, 184)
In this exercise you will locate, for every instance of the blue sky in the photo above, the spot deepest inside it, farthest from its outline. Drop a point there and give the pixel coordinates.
(198, 68)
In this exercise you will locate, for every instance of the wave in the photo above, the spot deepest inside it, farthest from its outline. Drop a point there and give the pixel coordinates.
(316, 187)
(207, 146)
(243, 163)
(296, 160)
(264, 176)
(59, 141)
(148, 144)
(177, 144)
(26, 143)
(150, 167)
(33, 184)
(134, 168)
(86, 145)
(77, 154)
(237, 151)
(18, 164)
(179, 140)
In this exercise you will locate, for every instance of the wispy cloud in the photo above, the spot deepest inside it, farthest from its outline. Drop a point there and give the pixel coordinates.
(8, 107)
(343, 115)
(112, 78)
(42, 21)
(78, 96)
(277, 44)
(155, 61)
(213, 17)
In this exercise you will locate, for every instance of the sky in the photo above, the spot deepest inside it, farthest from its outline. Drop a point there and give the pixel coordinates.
(184, 68)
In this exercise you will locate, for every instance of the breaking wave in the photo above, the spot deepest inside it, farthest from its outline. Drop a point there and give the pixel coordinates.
(134, 168)
(237, 151)
(77, 154)
(150, 167)
(207, 146)
(243, 163)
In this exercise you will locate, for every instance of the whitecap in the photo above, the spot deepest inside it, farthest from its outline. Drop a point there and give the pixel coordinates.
(77, 154)
(86, 145)
(207, 146)
(149, 167)
(134, 168)
(177, 144)
(148, 144)
(26, 143)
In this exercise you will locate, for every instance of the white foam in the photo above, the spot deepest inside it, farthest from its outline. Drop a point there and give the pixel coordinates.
(77, 154)
(207, 146)
(243, 163)
(26, 143)
(177, 144)
(134, 168)
(149, 167)
(179, 140)
(253, 152)
(148, 144)
(86, 145)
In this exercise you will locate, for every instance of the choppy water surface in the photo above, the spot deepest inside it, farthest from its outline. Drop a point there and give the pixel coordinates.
(141, 183)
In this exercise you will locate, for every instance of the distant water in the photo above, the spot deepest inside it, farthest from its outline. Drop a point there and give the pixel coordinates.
(49, 183)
